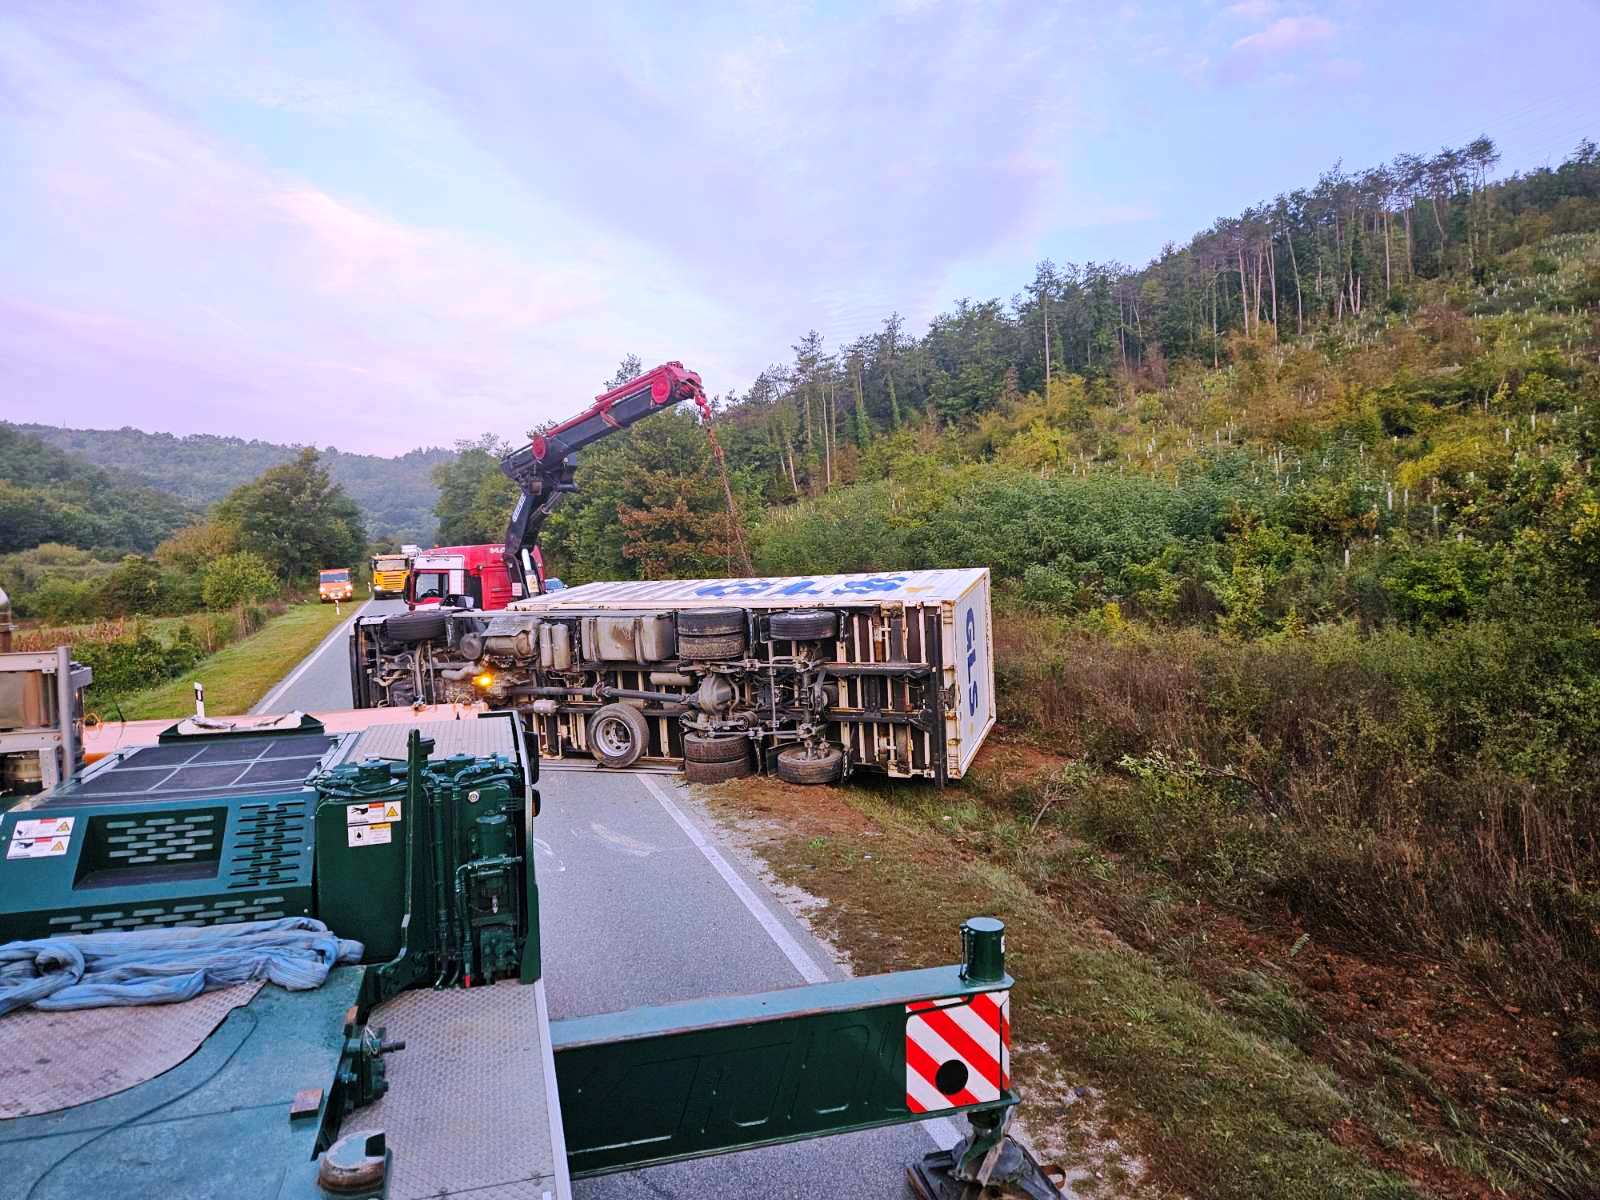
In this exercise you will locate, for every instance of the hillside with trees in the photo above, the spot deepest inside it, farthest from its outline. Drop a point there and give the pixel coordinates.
(1296, 545)
(396, 495)
(50, 496)
(268, 536)
(1379, 316)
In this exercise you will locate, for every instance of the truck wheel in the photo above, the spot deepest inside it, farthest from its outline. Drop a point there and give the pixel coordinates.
(715, 748)
(700, 621)
(618, 735)
(711, 646)
(716, 772)
(414, 626)
(804, 625)
(800, 764)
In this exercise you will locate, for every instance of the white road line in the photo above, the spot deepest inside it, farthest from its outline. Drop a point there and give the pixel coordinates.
(942, 1131)
(792, 950)
(264, 704)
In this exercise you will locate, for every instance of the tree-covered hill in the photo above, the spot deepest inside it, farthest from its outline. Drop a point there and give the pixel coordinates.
(1296, 542)
(396, 495)
(1394, 349)
(50, 496)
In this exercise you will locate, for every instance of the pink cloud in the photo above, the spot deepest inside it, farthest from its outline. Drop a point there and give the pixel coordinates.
(360, 255)
(1277, 54)
(1285, 34)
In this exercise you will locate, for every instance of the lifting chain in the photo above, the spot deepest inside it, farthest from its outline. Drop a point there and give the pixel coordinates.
(736, 527)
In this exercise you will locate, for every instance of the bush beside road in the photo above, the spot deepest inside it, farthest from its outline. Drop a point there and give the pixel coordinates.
(238, 676)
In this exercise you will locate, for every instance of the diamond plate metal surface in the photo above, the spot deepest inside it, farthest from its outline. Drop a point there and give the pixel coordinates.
(56, 1060)
(466, 1111)
(477, 737)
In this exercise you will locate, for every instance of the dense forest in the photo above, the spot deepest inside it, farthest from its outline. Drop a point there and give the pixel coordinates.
(50, 496)
(267, 535)
(396, 495)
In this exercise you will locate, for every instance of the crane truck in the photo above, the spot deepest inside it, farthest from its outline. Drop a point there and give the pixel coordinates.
(432, 1067)
(807, 677)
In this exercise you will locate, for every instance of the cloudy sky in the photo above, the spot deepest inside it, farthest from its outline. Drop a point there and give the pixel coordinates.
(385, 225)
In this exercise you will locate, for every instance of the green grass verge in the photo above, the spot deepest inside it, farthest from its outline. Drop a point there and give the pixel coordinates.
(1216, 1105)
(241, 674)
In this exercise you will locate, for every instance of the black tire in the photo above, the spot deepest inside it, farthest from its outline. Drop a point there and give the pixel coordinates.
(711, 646)
(618, 735)
(716, 772)
(797, 764)
(804, 625)
(701, 621)
(715, 748)
(414, 626)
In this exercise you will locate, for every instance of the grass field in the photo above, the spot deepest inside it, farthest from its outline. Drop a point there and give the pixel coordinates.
(1166, 1048)
(238, 676)
(33, 636)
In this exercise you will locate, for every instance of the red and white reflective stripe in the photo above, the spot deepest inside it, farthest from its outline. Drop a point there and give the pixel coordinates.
(958, 1051)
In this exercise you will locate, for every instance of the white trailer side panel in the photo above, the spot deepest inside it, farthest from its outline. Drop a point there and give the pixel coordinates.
(897, 613)
(795, 591)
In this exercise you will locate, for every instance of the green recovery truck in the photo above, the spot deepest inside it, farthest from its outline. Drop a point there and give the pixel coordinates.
(431, 1068)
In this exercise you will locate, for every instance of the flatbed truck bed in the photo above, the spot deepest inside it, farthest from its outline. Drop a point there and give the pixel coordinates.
(434, 1068)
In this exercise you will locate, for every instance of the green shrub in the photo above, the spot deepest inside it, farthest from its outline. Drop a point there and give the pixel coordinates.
(1428, 587)
(237, 579)
(1421, 789)
(60, 600)
(136, 587)
(853, 529)
(142, 661)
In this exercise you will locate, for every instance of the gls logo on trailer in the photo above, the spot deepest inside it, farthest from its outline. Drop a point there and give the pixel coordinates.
(972, 662)
(856, 585)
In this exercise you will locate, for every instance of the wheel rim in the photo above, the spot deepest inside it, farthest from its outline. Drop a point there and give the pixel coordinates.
(613, 737)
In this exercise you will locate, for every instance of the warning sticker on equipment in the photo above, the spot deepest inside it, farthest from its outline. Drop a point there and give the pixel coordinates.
(40, 838)
(379, 813)
(370, 835)
(958, 1051)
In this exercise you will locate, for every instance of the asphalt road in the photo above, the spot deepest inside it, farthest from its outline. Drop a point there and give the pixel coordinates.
(641, 902)
(633, 911)
(321, 680)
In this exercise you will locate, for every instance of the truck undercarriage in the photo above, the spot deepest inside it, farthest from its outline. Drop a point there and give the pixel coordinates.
(809, 693)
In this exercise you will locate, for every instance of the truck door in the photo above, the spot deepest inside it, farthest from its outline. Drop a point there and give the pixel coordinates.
(496, 585)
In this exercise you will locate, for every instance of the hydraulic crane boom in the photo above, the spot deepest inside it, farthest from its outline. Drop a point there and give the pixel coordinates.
(544, 469)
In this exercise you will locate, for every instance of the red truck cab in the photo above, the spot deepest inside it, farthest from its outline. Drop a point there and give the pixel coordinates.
(476, 572)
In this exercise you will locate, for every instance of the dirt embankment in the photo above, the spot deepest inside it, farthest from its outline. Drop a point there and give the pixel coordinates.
(1169, 1045)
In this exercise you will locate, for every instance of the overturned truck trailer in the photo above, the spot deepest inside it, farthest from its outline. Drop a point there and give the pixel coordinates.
(809, 677)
